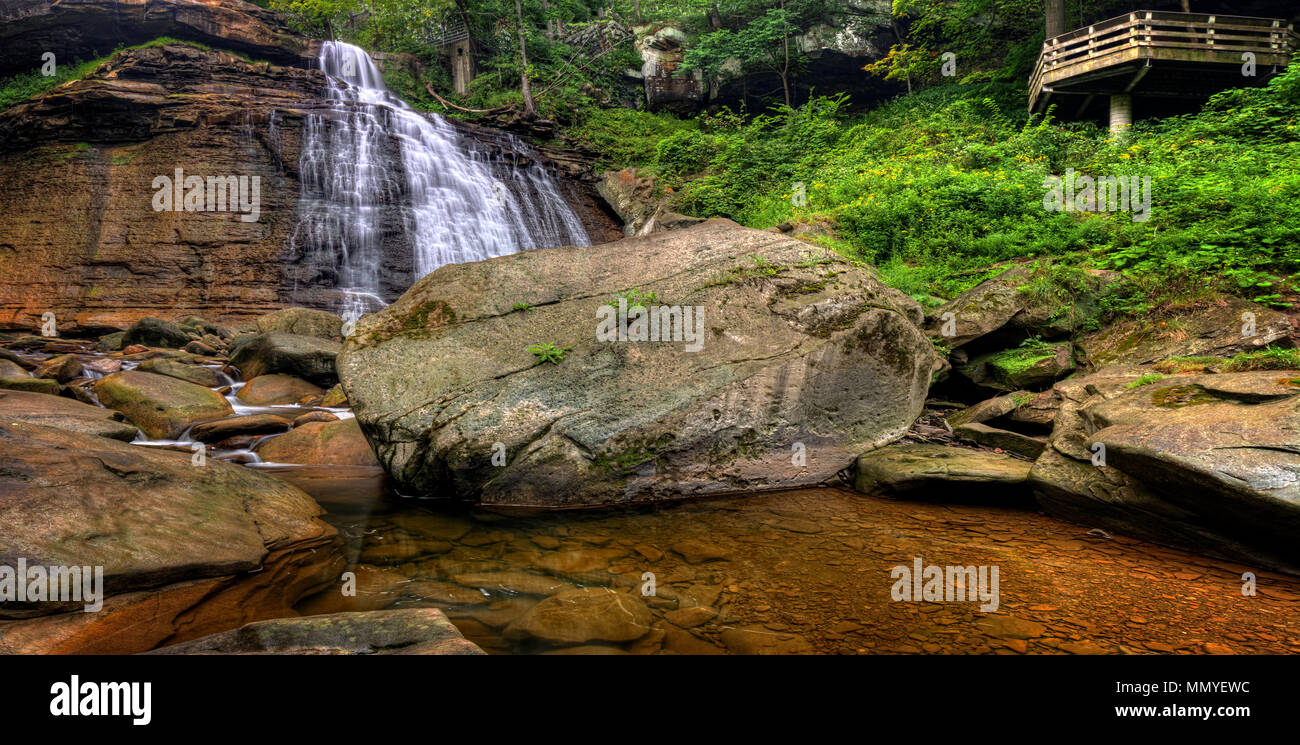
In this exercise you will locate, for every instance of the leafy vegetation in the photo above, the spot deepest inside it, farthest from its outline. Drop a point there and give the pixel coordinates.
(549, 352)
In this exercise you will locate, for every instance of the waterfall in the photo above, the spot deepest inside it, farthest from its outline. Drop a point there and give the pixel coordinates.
(390, 194)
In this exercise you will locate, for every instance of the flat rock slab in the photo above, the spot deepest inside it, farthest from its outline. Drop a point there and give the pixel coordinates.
(64, 413)
(802, 354)
(939, 472)
(148, 516)
(1012, 442)
(407, 631)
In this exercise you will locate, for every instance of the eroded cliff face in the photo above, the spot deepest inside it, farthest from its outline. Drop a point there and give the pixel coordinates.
(86, 29)
(79, 233)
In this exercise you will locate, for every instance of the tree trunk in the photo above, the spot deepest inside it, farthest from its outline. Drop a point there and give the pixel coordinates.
(529, 109)
(1055, 18)
(785, 70)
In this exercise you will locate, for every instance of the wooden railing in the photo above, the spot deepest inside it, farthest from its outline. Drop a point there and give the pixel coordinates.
(1192, 37)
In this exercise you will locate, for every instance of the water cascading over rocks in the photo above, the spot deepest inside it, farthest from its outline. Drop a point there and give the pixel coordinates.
(389, 194)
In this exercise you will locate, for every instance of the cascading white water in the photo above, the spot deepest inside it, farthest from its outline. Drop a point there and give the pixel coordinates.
(369, 153)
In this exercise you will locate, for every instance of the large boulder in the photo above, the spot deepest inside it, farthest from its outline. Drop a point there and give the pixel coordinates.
(162, 407)
(583, 615)
(64, 413)
(804, 361)
(303, 322)
(186, 550)
(307, 357)
(408, 631)
(1027, 366)
(1206, 461)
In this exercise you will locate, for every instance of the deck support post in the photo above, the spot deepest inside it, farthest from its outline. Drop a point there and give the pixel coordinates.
(1121, 112)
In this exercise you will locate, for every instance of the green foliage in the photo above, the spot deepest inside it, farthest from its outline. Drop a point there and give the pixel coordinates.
(549, 352)
(1272, 358)
(1147, 379)
(635, 298)
(521, 307)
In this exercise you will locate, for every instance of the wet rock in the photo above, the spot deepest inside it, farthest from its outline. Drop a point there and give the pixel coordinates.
(306, 357)
(938, 471)
(689, 618)
(399, 550)
(267, 390)
(759, 640)
(303, 322)
(64, 413)
(253, 424)
(112, 342)
(583, 616)
(579, 562)
(340, 489)
(161, 406)
(513, 581)
(155, 332)
(698, 552)
(631, 194)
(337, 443)
(103, 365)
(334, 398)
(63, 368)
(314, 416)
(408, 631)
(1009, 627)
(195, 374)
(1012, 442)
(617, 422)
(370, 588)
(198, 347)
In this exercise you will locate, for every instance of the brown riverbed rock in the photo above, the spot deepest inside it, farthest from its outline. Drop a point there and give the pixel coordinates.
(252, 424)
(64, 413)
(801, 352)
(336, 443)
(176, 541)
(63, 368)
(266, 390)
(581, 616)
(161, 406)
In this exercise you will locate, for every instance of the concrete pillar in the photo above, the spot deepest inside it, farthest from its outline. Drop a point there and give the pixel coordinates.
(1056, 18)
(462, 66)
(1121, 112)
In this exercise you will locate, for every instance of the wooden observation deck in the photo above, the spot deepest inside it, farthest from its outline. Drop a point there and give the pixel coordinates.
(1157, 54)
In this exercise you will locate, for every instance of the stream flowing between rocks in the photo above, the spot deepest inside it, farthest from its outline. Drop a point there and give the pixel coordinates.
(804, 571)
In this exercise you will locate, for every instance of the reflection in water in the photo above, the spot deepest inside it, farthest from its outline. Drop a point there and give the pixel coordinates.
(800, 571)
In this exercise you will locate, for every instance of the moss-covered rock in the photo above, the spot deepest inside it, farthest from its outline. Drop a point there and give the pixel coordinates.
(162, 407)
